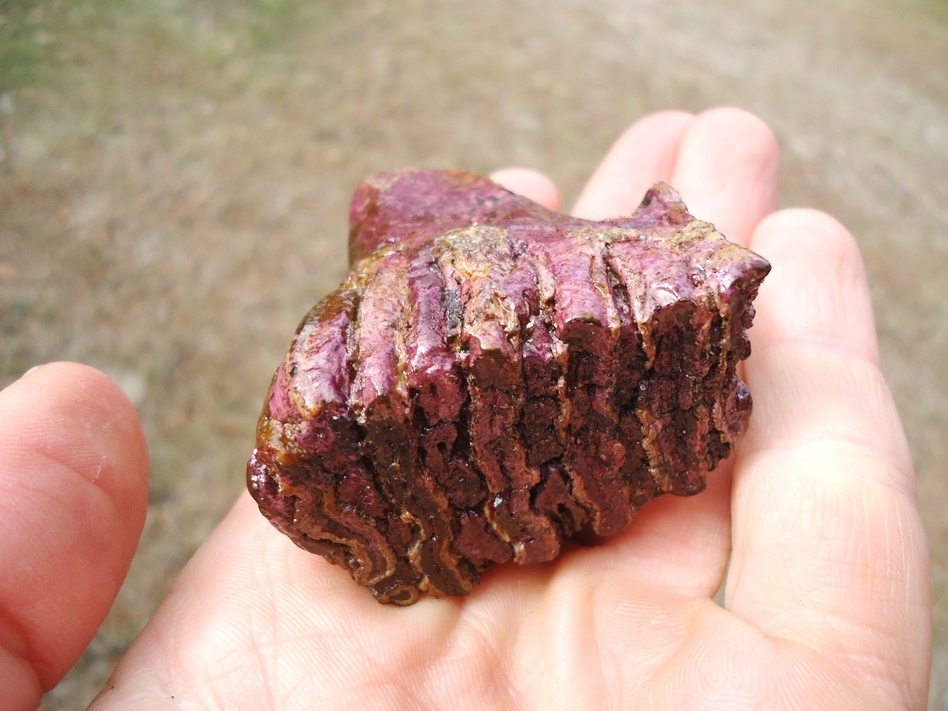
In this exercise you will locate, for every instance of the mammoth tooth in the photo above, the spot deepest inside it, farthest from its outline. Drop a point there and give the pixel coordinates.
(493, 379)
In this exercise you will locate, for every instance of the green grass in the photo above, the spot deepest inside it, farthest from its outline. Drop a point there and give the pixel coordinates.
(21, 45)
(36, 37)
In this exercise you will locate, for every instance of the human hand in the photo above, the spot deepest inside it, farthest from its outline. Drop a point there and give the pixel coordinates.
(812, 527)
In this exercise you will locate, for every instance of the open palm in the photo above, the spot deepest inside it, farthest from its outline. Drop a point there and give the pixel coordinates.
(811, 528)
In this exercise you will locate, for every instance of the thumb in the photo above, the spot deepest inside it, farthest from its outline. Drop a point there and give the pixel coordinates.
(73, 493)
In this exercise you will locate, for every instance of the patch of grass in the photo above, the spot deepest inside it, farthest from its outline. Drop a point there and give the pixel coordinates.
(936, 10)
(21, 44)
(276, 20)
(36, 36)
(223, 27)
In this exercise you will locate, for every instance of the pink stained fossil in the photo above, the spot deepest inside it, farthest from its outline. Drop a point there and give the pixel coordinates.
(494, 378)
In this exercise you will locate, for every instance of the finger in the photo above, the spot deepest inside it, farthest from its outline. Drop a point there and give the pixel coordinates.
(73, 477)
(727, 171)
(726, 168)
(530, 184)
(683, 544)
(828, 545)
(253, 621)
(642, 155)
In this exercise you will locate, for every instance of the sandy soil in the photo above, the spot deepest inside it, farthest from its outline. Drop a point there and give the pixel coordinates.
(174, 179)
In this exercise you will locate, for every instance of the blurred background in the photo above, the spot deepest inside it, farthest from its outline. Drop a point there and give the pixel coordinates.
(174, 181)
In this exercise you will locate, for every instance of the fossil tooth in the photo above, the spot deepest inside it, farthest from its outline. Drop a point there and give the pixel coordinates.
(494, 378)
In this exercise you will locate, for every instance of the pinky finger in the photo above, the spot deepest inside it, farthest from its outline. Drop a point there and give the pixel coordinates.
(828, 546)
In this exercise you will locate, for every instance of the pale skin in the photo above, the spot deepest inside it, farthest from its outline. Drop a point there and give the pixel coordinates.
(812, 527)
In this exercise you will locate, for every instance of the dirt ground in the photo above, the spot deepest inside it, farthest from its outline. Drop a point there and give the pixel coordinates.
(174, 179)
